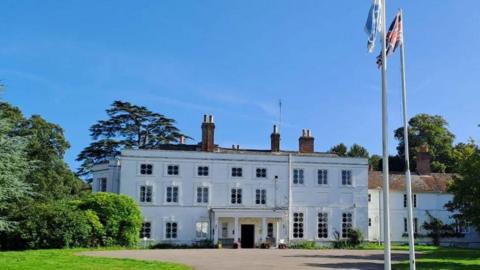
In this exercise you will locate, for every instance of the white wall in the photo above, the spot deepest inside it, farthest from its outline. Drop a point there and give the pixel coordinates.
(308, 198)
(432, 202)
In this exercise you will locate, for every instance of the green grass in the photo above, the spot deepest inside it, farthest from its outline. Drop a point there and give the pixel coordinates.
(66, 259)
(438, 258)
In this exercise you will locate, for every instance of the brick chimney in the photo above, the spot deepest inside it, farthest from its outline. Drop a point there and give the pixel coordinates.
(208, 132)
(423, 160)
(275, 140)
(306, 142)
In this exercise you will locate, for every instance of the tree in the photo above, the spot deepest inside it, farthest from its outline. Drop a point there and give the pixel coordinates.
(357, 150)
(45, 146)
(14, 168)
(375, 162)
(119, 215)
(466, 194)
(437, 229)
(433, 131)
(128, 127)
(339, 149)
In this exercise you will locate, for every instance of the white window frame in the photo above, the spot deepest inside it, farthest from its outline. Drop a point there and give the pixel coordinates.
(352, 223)
(348, 172)
(201, 234)
(236, 196)
(178, 193)
(302, 178)
(262, 196)
(261, 177)
(102, 182)
(146, 164)
(171, 227)
(414, 200)
(202, 187)
(173, 175)
(303, 223)
(142, 233)
(145, 192)
(236, 168)
(197, 170)
(326, 223)
(325, 181)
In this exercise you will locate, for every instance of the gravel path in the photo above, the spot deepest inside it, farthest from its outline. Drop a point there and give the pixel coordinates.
(259, 259)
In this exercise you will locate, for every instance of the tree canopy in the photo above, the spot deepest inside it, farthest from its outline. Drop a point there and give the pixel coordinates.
(128, 126)
(431, 130)
(14, 167)
(45, 146)
(339, 149)
(355, 150)
(466, 200)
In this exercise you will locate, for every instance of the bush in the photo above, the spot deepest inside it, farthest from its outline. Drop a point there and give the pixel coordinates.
(119, 214)
(355, 239)
(304, 245)
(53, 225)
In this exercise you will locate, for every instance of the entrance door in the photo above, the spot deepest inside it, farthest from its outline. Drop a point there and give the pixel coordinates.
(248, 236)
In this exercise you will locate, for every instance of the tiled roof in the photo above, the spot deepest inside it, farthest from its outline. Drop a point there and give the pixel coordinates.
(435, 182)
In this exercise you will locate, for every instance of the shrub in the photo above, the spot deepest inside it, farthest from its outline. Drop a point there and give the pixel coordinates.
(52, 225)
(119, 215)
(304, 245)
(355, 239)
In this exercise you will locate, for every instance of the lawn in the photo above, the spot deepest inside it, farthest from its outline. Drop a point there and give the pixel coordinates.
(439, 258)
(66, 259)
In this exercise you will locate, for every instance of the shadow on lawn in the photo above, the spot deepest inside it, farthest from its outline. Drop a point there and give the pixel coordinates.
(369, 257)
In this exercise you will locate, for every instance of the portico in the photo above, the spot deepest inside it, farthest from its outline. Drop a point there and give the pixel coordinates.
(250, 227)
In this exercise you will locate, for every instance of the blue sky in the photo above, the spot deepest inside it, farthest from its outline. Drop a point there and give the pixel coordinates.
(68, 60)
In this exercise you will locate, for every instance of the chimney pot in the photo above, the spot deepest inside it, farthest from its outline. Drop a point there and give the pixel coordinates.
(208, 134)
(423, 160)
(182, 139)
(275, 140)
(306, 142)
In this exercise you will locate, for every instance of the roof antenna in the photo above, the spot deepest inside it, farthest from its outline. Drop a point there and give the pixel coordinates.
(280, 114)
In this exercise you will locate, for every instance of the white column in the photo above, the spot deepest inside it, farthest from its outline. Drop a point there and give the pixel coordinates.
(216, 228)
(264, 229)
(236, 232)
(277, 232)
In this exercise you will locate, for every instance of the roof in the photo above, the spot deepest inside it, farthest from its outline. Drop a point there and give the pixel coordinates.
(196, 147)
(435, 182)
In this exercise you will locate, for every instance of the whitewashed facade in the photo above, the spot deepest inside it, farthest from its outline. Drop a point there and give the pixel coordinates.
(429, 198)
(189, 193)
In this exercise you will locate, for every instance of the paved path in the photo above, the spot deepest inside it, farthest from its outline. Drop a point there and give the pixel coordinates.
(259, 259)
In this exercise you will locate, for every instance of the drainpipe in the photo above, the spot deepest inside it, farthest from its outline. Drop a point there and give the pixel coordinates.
(289, 195)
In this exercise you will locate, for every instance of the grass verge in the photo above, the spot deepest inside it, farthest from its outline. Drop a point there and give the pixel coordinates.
(66, 259)
(439, 258)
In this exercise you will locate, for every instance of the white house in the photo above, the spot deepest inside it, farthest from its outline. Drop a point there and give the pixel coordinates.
(429, 198)
(190, 193)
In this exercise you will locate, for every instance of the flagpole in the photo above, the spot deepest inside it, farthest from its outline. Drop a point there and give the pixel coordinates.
(408, 186)
(386, 186)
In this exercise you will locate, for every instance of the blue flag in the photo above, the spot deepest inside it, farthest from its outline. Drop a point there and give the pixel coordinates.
(372, 27)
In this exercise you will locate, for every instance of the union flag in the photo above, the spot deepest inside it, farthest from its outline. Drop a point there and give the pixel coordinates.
(393, 38)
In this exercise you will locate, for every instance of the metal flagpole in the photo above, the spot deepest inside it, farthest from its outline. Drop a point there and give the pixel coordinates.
(411, 240)
(386, 187)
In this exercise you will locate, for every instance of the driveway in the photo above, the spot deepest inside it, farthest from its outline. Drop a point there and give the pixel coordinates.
(259, 259)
